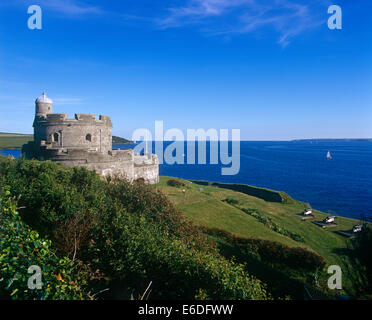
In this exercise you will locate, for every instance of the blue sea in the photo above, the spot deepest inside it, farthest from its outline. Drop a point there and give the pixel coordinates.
(341, 186)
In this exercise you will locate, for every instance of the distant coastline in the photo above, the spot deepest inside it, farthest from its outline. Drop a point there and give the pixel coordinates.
(333, 140)
(119, 140)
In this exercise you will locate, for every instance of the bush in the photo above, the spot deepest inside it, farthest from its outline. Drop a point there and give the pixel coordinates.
(138, 252)
(232, 201)
(175, 183)
(20, 248)
(268, 222)
(272, 251)
(140, 181)
(127, 235)
(362, 253)
(265, 194)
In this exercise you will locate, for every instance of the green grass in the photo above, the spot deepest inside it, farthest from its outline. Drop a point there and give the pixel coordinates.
(204, 205)
(14, 140)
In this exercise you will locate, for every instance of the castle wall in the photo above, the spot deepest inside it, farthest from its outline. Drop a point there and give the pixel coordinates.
(85, 131)
(85, 141)
(75, 157)
(149, 173)
(147, 168)
(116, 163)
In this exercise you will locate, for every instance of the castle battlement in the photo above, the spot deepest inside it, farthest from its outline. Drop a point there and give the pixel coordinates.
(56, 117)
(79, 118)
(85, 141)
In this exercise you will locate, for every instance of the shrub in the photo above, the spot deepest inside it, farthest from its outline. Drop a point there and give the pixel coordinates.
(232, 201)
(175, 183)
(268, 222)
(272, 251)
(127, 235)
(138, 252)
(140, 181)
(362, 253)
(265, 194)
(72, 235)
(20, 248)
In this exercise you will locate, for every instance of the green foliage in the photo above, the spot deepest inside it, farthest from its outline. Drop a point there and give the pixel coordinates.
(268, 222)
(272, 251)
(143, 253)
(265, 194)
(284, 269)
(231, 201)
(362, 253)
(175, 183)
(20, 248)
(127, 235)
(119, 140)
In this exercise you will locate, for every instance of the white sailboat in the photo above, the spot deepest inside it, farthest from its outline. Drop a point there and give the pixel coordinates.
(329, 157)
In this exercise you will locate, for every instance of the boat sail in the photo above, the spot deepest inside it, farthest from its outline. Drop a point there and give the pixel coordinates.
(329, 157)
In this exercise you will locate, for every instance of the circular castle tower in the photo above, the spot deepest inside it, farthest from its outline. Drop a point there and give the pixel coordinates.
(83, 132)
(43, 106)
(84, 141)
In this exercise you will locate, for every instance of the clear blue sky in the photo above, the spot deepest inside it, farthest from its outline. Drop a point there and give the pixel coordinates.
(270, 68)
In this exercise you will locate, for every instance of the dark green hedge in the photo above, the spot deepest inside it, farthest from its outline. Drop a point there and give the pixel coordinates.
(175, 183)
(265, 194)
(272, 251)
(21, 248)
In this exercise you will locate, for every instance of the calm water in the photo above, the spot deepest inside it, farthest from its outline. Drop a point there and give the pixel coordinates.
(341, 186)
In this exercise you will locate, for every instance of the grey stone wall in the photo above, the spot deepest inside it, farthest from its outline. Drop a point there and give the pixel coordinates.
(149, 173)
(85, 131)
(86, 141)
(117, 163)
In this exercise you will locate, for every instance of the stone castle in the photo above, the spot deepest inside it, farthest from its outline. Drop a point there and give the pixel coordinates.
(86, 142)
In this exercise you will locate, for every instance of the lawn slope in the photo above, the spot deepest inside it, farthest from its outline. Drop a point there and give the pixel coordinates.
(14, 140)
(206, 206)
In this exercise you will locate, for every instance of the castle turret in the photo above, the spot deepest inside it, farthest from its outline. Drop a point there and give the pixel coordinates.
(85, 141)
(43, 106)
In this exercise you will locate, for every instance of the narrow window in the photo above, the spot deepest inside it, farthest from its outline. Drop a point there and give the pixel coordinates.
(56, 137)
(88, 137)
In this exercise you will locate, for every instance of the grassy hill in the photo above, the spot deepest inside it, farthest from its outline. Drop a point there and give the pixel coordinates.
(16, 140)
(218, 207)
